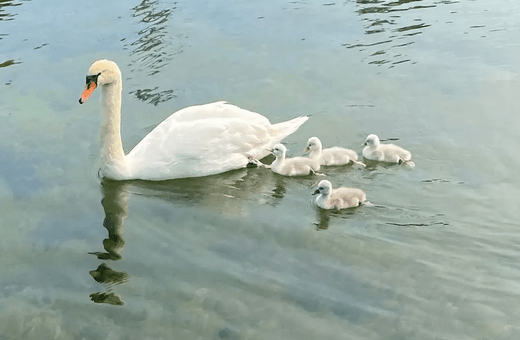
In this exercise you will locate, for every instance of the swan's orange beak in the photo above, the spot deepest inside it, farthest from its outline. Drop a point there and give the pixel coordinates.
(91, 86)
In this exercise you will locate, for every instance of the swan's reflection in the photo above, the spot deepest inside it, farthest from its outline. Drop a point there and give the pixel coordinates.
(228, 193)
(115, 205)
(106, 276)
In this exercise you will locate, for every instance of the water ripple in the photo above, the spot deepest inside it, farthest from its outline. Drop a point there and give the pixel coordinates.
(391, 26)
(153, 96)
(4, 15)
(153, 49)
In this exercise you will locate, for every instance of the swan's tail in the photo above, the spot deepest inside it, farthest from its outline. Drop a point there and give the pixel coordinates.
(284, 129)
(278, 132)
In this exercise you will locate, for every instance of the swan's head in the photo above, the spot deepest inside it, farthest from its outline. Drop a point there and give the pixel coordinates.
(279, 150)
(324, 188)
(313, 144)
(372, 141)
(101, 72)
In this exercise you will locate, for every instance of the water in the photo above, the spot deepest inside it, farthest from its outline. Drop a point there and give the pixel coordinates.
(244, 255)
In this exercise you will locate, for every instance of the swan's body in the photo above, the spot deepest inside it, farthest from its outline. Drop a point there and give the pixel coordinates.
(331, 156)
(389, 153)
(195, 141)
(297, 166)
(340, 198)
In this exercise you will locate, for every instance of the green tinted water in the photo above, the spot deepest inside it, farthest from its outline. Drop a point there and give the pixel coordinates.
(244, 255)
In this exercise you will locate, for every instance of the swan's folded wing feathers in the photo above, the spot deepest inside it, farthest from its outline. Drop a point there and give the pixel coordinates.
(203, 146)
(206, 139)
(220, 109)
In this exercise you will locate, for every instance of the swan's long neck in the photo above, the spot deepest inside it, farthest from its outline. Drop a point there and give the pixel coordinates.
(112, 154)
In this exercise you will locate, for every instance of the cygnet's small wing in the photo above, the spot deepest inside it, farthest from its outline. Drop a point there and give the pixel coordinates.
(337, 156)
(299, 166)
(350, 197)
(394, 153)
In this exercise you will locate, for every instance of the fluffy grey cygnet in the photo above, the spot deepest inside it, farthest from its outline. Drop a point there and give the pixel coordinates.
(331, 156)
(389, 153)
(340, 198)
(297, 166)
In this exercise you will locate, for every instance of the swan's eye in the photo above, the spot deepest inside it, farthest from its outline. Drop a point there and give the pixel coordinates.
(92, 79)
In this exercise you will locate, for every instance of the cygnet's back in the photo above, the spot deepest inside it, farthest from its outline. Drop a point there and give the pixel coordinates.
(391, 153)
(340, 198)
(297, 166)
(331, 156)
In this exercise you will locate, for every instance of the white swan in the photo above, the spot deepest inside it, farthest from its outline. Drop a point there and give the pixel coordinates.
(330, 156)
(195, 141)
(340, 198)
(390, 153)
(297, 166)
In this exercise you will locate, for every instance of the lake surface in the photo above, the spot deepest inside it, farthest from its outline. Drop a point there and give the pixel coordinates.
(245, 255)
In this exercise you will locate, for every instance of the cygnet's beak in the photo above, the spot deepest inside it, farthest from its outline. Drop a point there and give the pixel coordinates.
(316, 192)
(306, 149)
(364, 144)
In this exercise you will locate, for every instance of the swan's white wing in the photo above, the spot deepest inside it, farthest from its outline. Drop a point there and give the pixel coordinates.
(223, 110)
(205, 140)
(197, 148)
(215, 110)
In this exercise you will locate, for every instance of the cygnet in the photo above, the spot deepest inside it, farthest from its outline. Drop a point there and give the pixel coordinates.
(389, 153)
(330, 156)
(340, 198)
(297, 166)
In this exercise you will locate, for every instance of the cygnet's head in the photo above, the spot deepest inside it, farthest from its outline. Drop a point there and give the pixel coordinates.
(279, 150)
(101, 72)
(372, 141)
(313, 144)
(324, 188)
